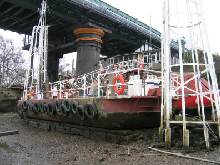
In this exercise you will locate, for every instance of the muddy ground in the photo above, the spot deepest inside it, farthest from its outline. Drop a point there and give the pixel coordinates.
(36, 146)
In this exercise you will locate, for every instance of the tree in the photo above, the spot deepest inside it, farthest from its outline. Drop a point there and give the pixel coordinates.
(64, 67)
(11, 63)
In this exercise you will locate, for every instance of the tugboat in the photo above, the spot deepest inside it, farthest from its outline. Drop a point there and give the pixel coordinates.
(122, 95)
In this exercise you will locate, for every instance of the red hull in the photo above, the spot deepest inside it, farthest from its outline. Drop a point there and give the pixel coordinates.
(191, 102)
(113, 113)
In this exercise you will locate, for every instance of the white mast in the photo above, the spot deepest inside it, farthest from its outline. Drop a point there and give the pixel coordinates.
(184, 22)
(37, 60)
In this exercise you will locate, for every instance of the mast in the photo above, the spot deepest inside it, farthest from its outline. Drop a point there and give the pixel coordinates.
(38, 52)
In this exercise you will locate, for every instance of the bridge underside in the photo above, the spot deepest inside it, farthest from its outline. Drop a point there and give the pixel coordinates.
(122, 33)
(64, 16)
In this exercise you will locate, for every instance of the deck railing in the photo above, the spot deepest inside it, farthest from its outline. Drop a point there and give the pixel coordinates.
(96, 83)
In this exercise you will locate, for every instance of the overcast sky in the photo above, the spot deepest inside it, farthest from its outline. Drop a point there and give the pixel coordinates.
(144, 9)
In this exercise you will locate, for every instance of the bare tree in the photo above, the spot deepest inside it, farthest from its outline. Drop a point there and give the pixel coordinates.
(64, 69)
(11, 63)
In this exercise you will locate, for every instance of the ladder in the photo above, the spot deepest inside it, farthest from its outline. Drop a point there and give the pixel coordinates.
(36, 73)
(183, 20)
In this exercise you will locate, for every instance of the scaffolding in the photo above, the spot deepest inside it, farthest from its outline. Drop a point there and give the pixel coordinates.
(183, 20)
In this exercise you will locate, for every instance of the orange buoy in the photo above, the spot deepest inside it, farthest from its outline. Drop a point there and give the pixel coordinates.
(120, 77)
(141, 66)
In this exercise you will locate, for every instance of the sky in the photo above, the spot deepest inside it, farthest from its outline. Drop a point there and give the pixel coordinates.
(150, 12)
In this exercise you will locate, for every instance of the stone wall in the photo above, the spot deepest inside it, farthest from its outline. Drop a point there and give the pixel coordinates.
(9, 98)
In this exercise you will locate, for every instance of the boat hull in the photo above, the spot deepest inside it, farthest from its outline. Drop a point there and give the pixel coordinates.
(191, 102)
(113, 113)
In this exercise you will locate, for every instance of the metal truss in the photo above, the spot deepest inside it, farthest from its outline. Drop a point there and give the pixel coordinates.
(183, 21)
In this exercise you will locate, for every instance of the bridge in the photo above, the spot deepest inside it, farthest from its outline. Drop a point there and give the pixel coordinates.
(123, 33)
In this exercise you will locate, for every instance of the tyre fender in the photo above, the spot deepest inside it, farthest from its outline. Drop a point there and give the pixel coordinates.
(57, 104)
(74, 107)
(80, 112)
(51, 108)
(37, 106)
(41, 106)
(20, 113)
(90, 110)
(30, 106)
(46, 108)
(32, 109)
(24, 106)
(64, 110)
(68, 103)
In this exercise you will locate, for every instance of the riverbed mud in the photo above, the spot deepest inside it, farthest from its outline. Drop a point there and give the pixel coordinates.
(37, 146)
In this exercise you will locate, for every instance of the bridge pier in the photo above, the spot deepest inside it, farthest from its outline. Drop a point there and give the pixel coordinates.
(52, 67)
(88, 49)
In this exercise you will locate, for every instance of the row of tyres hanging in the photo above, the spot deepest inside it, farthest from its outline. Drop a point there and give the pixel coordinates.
(66, 108)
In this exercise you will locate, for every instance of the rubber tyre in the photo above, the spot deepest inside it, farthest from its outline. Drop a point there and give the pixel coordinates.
(64, 110)
(57, 105)
(90, 110)
(41, 106)
(74, 107)
(80, 112)
(51, 109)
(46, 108)
(24, 106)
(30, 107)
(68, 103)
(20, 113)
(37, 106)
